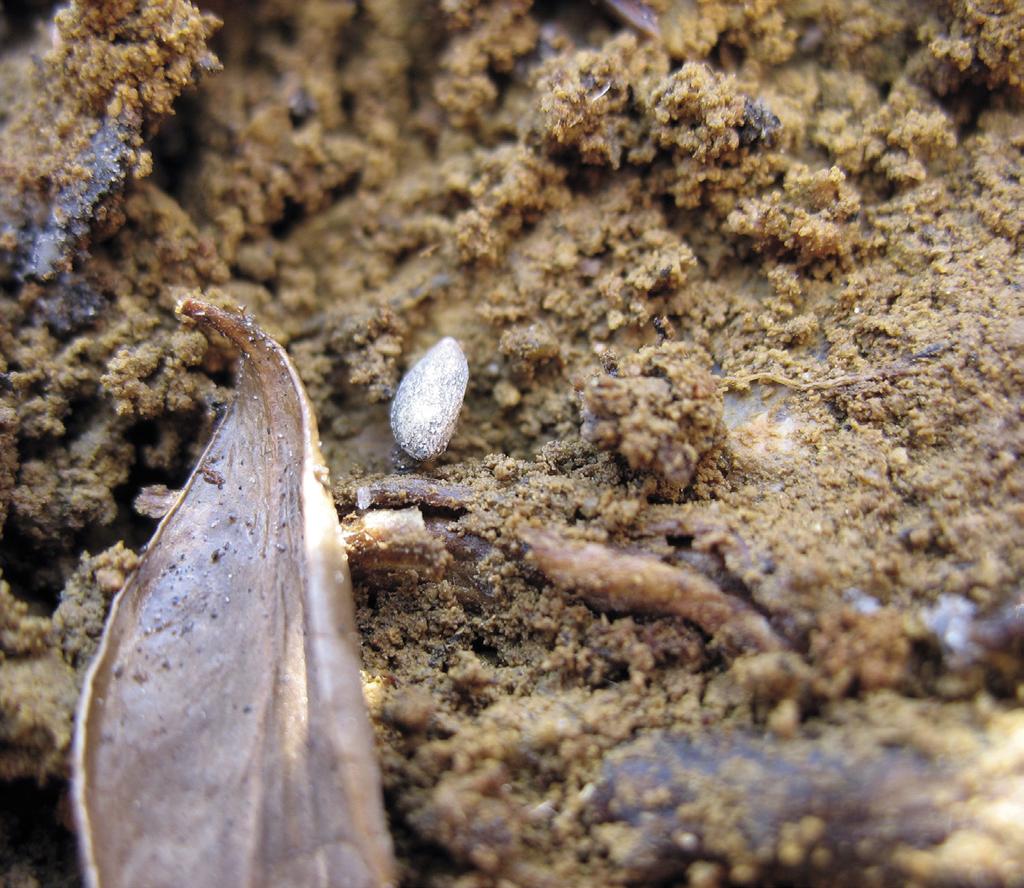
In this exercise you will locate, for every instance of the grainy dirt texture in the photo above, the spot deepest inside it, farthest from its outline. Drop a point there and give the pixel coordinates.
(741, 296)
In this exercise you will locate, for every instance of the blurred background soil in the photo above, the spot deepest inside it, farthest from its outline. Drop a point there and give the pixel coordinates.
(741, 294)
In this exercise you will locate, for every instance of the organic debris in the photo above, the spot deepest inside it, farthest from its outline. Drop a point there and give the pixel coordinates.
(224, 710)
(800, 223)
(621, 582)
(786, 813)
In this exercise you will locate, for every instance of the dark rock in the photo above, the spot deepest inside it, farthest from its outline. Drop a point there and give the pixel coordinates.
(759, 124)
(108, 158)
(67, 305)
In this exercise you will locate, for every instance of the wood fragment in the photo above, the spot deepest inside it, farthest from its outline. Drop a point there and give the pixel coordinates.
(612, 580)
(637, 14)
(222, 738)
(155, 501)
(394, 539)
(773, 807)
(395, 492)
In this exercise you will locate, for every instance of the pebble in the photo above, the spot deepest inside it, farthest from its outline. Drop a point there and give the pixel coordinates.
(426, 408)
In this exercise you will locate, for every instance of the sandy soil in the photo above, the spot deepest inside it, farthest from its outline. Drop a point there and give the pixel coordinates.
(742, 305)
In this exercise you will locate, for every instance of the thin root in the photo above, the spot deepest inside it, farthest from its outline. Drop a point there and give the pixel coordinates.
(612, 580)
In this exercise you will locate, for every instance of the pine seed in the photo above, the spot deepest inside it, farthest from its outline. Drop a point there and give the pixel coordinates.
(426, 407)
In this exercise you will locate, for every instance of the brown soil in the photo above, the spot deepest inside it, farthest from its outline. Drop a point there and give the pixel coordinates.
(742, 302)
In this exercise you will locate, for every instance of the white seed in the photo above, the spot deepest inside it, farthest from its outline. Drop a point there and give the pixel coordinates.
(426, 407)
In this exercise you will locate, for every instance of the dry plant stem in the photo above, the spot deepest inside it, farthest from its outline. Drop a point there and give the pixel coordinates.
(461, 545)
(394, 539)
(612, 580)
(222, 737)
(906, 367)
(781, 808)
(395, 492)
(390, 540)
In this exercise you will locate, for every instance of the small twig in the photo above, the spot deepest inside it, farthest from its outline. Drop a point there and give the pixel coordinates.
(613, 580)
(409, 490)
(393, 539)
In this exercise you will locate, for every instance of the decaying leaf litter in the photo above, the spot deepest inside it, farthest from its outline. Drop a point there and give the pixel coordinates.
(221, 737)
(557, 193)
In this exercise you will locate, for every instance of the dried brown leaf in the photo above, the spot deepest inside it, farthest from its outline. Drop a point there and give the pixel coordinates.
(222, 737)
